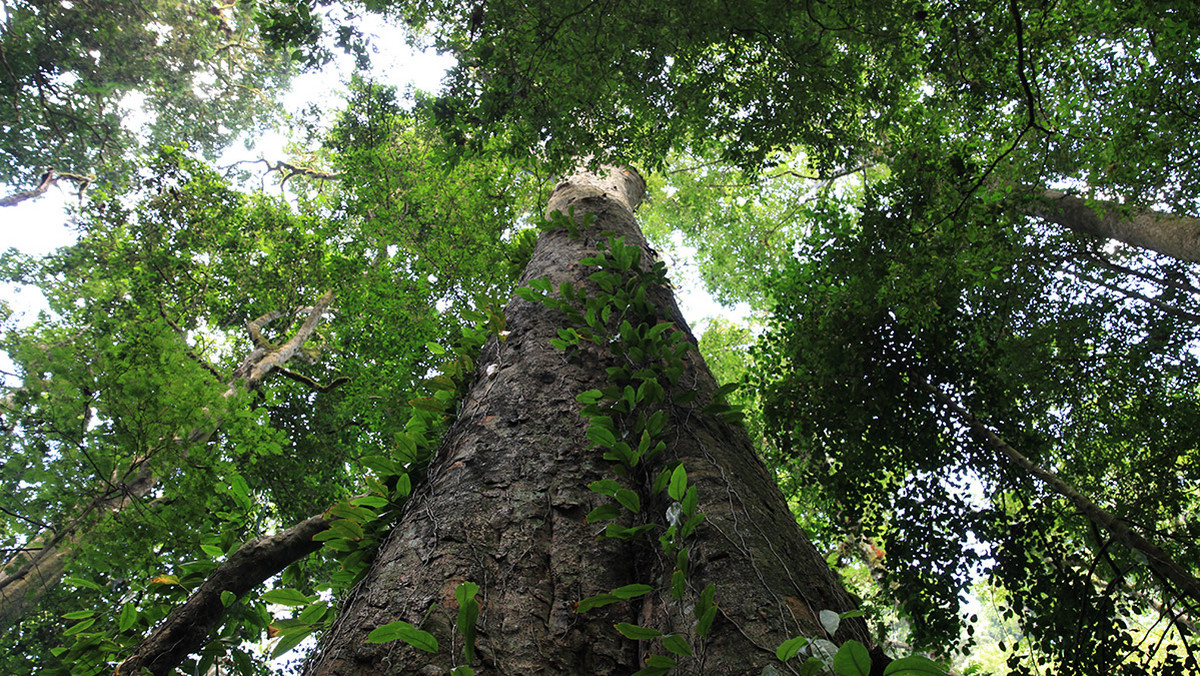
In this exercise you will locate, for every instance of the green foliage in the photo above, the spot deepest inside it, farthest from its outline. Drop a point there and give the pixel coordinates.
(1056, 367)
(129, 372)
(919, 267)
(68, 69)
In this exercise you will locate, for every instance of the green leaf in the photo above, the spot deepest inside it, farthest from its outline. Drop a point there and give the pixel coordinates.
(631, 591)
(789, 648)
(603, 513)
(597, 601)
(691, 524)
(811, 666)
(605, 487)
(725, 389)
(704, 624)
(212, 550)
(287, 597)
(629, 499)
(678, 584)
(620, 532)
(677, 644)
(589, 397)
(78, 614)
(78, 627)
(637, 633)
(403, 487)
(371, 501)
(678, 485)
(660, 482)
(690, 500)
(601, 436)
(227, 598)
(290, 640)
(468, 614)
(435, 348)
(313, 613)
(80, 582)
(914, 665)
(238, 486)
(852, 659)
(403, 631)
(129, 615)
(346, 528)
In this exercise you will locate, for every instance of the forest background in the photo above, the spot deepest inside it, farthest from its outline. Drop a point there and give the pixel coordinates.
(963, 237)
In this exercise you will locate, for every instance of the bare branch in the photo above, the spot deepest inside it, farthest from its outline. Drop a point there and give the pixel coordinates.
(48, 180)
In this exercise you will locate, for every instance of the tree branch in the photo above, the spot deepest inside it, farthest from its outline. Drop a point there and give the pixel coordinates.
(1159, 561)
(48, 180)
(188, 626)
(1168, 234)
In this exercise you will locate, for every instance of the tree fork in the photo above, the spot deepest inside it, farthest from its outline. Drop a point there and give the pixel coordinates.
(35, 569)
(506, 498)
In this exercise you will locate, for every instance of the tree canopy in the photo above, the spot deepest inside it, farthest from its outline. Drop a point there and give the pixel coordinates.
(966, 234)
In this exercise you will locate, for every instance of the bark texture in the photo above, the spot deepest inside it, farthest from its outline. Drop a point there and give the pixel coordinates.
(1169, 234)
(505, 503)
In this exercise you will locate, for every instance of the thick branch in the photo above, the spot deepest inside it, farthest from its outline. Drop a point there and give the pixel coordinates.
(1168, 234)
(252, 373)
(1159, 561)
(188, 626)
(48, 180)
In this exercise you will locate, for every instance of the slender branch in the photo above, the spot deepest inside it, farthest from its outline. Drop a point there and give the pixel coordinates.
(35, 522)
(310, 383)
(1153, 302)
(1030, 99)
(1158, 560)
(1125, 270)
(291, 171)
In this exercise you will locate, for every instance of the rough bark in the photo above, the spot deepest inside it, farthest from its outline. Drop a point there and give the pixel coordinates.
(505, 502)
(1169, 234)
(188, 626)
(37, 568)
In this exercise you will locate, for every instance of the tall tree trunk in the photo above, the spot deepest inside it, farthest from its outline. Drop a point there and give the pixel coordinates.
(506, 498)
(1169, 234)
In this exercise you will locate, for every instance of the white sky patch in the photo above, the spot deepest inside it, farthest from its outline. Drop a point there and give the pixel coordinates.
(161, 30)
(203, 84)
(135, 117)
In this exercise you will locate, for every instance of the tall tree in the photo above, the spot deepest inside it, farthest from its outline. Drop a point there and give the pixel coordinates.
(516, 488)
(907, 337)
